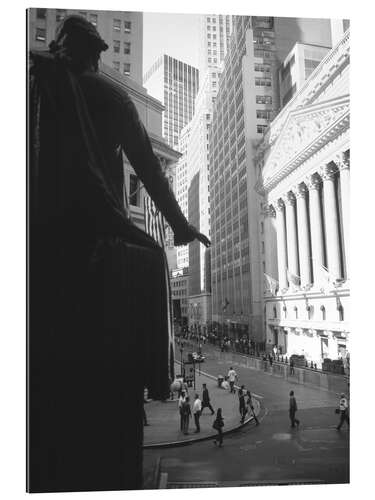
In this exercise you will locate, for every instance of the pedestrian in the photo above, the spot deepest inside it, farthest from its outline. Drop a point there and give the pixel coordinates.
(197, 410)
(292, 410)
(186, 415)
(232, 377)
(344, 411)
(242, 407)
(218, 425)
(206, 400)
(181, 401)
(275, 351)
(291, 364)
(250, 407)
(270, 358)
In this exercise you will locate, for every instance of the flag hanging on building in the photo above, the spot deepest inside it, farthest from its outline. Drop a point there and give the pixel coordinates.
(154, 221)
(293, 278)
(272, 284)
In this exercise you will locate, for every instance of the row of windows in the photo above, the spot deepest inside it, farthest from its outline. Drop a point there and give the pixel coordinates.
(263, 99)
(310, 311)
(126, 67)
(117, 25)
(117, 45)
(263, 82)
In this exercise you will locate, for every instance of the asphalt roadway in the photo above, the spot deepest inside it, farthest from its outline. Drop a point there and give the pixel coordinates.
(272, 453)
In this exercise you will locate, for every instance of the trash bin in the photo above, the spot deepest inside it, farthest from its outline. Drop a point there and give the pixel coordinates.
(220, 380)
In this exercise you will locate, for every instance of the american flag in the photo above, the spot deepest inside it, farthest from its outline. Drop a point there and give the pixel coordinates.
(154, 221)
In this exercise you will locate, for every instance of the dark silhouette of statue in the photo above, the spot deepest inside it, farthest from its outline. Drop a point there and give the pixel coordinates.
(98, 321)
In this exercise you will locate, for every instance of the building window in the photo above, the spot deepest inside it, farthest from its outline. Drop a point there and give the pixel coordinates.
(94, 19)
(60, 15)
(285, 312)
(116, 46)
(274, 312)
(262, 227)
(126, 47)
(208, 19)
(263, 99)
(296, 312)
(264, 114)
(116, 65)
(126, 68)
(40, 35)
(127, 26)
(133, 190)
(261, 129)
(117, 24)
(262, 246)
(41, 13)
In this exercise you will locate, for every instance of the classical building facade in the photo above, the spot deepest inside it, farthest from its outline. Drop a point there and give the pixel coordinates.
(303, 166)
(123, 32)
(247, 101)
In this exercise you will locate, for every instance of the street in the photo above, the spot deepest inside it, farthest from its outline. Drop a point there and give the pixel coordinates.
(271, 453)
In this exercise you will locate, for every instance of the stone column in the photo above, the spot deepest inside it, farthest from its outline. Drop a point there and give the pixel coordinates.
(303, 235)
(331, 221)
(281, 244)
(343, 164)
(291, 233)
(313, 183)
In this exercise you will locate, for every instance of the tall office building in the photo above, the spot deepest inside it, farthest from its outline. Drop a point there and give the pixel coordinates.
(175, 84)
(215, 32)
(297, 67)
(247, 100)
(122, 31)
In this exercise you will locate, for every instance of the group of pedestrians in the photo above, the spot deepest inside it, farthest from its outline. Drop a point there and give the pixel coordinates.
(342, 410)
(186, 412)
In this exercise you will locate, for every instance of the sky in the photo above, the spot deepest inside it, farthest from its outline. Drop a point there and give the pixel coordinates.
(172, 34)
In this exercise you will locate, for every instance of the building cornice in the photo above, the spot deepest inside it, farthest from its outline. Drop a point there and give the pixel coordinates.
(133, 88)
(306, 131)
(161, 148)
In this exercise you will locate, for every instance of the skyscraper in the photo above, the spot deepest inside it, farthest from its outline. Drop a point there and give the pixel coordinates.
(175, 84)
(247, 100)
(123, 32)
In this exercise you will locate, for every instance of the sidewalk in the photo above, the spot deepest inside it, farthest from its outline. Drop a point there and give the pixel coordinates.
(164, 418)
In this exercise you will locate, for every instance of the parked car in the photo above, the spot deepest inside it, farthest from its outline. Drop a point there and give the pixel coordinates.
(198, 358)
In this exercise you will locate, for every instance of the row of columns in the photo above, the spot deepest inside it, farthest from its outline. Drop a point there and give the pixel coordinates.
(295, 231)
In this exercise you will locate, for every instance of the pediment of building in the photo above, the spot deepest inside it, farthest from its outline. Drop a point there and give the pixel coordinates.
(305, 131)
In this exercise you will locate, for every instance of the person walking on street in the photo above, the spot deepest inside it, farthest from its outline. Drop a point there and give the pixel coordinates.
(206, 400)
(181, 401)
(344, 411)
(232, 377)
(218, 425)
(242, 408)
(292, 410)
(291, 367)
(250, 407)
(186, 415)
(197, 410)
